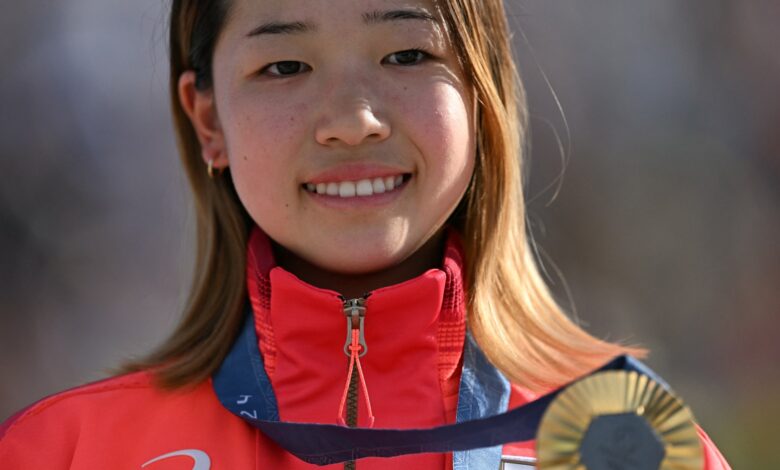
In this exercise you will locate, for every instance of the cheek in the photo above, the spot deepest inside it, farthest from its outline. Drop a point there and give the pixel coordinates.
(444, 134)
(258, 127)
(263, 139)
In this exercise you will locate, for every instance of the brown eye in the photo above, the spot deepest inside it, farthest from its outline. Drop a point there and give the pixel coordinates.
(285, 68)
(408, 57)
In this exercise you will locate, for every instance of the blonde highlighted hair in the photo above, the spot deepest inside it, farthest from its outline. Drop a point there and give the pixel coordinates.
(511, 312)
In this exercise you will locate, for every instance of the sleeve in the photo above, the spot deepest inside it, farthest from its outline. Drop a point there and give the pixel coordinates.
(713, 459)
(34, 438)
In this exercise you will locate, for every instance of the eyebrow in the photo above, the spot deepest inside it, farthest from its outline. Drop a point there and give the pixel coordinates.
(372, 17)
(378, 16)
(276, 27)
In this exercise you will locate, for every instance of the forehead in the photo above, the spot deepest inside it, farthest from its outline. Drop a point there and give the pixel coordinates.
(320, 12)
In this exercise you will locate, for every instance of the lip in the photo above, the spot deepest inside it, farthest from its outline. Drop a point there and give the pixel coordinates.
(355, 172)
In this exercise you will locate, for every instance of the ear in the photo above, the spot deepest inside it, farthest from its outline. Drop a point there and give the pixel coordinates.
(200, 107)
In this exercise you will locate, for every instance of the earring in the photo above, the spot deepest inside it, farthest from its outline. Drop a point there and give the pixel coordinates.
(210, 168)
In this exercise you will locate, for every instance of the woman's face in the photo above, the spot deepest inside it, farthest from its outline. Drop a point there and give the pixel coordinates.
(347, 126)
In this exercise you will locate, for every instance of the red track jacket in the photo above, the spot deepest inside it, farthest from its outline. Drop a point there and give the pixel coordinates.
(414, 332)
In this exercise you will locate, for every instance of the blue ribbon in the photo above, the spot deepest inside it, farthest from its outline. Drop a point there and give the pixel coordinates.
(483, 426)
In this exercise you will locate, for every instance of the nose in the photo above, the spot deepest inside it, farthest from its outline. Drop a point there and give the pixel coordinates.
(350, 121)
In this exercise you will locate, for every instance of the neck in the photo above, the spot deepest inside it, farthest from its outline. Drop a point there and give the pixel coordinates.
(427, 257)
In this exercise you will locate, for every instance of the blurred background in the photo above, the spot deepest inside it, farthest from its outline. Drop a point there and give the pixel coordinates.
(654, 194)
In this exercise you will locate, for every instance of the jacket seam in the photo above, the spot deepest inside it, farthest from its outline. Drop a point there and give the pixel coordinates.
(46, 403)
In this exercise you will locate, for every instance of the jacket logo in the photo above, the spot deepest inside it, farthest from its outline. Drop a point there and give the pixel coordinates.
(202, 460)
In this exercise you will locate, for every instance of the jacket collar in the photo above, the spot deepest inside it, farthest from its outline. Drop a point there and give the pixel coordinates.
(273, 290)
(480, 390)
(471, 387)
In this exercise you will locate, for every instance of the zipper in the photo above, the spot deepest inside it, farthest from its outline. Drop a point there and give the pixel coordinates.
(355, 311)
(354, 348)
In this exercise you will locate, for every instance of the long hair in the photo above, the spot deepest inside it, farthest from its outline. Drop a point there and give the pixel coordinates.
(511, 312)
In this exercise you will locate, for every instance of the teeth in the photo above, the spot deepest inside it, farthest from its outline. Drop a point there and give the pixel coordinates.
(364, 187)
(378, 185)
(347, 189)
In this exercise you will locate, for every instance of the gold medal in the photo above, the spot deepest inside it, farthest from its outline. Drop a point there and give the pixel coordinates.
(618, 420)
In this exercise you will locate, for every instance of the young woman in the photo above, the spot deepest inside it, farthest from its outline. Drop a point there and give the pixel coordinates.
(357, 178)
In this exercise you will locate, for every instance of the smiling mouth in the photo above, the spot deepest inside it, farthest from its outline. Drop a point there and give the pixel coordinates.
(358, 188)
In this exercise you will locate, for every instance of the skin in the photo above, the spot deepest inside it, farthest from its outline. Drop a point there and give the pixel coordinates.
(346, 95)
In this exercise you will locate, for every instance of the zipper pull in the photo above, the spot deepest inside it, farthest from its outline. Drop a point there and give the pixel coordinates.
(355, 310)
(355, 348)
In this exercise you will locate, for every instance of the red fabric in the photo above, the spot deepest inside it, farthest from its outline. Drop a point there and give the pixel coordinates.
(122, 423)
(411, 366)
(414, 332)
